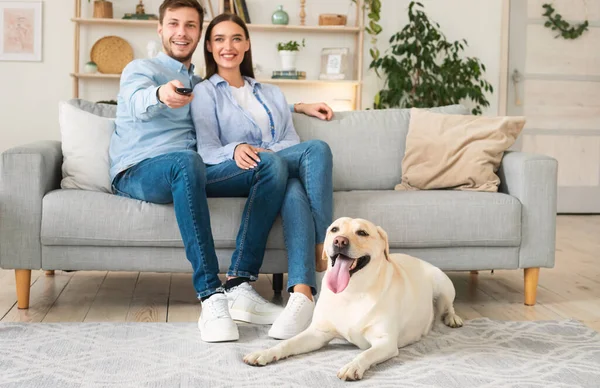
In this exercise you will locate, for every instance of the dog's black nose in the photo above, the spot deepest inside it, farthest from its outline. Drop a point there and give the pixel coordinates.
(340, 242)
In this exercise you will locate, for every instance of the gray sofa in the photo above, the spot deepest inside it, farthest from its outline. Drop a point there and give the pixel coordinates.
(45, 227)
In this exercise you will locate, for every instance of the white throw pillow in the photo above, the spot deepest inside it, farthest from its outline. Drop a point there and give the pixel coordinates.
(85, 142)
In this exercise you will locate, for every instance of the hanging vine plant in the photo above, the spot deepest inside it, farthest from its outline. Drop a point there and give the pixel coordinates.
(556, 22)
(373, 28)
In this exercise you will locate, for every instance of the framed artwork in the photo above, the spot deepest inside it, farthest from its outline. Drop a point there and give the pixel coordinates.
(334, 63)
(20, 31)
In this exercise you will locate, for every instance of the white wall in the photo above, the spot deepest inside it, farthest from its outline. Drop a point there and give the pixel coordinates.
(30, 91)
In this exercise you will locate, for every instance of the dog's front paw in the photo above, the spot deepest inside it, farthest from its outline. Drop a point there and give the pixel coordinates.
(260, 358)
(351, 371)
(453, 320)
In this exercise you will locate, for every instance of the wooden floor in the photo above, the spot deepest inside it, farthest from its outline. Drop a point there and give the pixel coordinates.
(570, 290)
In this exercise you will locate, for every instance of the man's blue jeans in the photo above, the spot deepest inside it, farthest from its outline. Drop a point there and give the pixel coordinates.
(307, 208)
(183, 179)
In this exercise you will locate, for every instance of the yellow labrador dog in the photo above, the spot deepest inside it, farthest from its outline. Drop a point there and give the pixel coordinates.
(376, 300)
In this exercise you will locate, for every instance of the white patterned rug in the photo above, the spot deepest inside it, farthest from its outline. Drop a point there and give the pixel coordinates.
(483, 353)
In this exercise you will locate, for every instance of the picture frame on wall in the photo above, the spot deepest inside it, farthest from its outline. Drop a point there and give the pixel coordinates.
(335, 64)
(20, 31)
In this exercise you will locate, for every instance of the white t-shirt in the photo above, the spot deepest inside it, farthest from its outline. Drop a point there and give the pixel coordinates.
(246, 99)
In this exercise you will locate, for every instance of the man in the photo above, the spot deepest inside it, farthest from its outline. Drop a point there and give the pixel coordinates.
(153, 158)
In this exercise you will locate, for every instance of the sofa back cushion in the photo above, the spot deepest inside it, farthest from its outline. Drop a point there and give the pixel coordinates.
(99, 109)
(367, 146)
(85, 140)
(461, 152)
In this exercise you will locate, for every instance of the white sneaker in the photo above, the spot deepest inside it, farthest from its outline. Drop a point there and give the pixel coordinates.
(246, 305)
(295, 318)
(215, 323)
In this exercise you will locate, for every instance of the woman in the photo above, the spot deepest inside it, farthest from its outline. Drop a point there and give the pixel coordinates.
(239, 120)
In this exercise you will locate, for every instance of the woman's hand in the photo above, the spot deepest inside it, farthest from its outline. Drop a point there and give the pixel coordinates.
(246, 156)
(319, 110)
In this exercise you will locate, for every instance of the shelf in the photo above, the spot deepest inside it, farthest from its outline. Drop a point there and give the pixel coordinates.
(275, 28)
(96, 76)
(263, 80)
(306, 81)
(251, 27)
(119, 22)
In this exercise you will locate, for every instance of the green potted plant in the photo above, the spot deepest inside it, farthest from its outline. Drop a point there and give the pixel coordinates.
(423, 69)
(287, 53)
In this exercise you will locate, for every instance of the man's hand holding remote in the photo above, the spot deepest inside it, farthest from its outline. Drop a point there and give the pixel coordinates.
(168, 95)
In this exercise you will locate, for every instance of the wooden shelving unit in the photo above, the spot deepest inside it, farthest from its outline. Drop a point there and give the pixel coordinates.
(263, 80)
(251, 27)
(357, 31)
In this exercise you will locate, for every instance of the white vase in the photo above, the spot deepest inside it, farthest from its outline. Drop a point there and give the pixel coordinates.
(288, 59)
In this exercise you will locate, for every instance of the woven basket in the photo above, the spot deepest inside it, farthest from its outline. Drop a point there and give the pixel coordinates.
(332, 19)
(111, 54)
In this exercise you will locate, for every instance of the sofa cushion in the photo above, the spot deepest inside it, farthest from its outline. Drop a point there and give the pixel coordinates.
(98, 109)
(367, 146)
(460, 152)
(411, 219)
(73, 217)
(437, 218)
(85, 139)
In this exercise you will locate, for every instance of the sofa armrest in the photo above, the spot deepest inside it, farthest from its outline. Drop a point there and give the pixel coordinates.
(532, 179)
(27, 173)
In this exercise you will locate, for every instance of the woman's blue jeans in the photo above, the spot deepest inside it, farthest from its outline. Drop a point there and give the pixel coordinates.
(307, 209)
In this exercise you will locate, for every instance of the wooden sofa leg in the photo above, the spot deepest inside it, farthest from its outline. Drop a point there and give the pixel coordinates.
(531, 282)
(50, 273)
(23, 280)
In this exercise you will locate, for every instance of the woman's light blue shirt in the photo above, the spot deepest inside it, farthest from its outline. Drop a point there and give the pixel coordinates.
(221, 124)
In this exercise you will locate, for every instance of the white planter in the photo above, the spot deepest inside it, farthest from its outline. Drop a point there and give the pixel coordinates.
(288, 60)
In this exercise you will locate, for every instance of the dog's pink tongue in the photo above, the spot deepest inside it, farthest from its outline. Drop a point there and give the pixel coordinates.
(339, 276)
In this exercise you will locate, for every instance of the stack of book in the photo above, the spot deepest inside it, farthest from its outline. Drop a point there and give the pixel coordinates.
(239, 8)
(288, 74)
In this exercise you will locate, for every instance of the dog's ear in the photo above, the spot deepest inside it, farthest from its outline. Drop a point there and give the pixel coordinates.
(384, 236)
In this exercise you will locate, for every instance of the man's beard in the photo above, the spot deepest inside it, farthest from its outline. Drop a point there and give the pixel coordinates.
(169, 52)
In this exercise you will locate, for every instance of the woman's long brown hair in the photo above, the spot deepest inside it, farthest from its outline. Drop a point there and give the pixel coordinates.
(209, 60)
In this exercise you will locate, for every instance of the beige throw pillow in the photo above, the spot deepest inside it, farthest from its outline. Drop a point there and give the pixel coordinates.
(456, 151)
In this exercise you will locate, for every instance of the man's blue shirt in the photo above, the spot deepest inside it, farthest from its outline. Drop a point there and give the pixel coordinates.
(145, 127)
